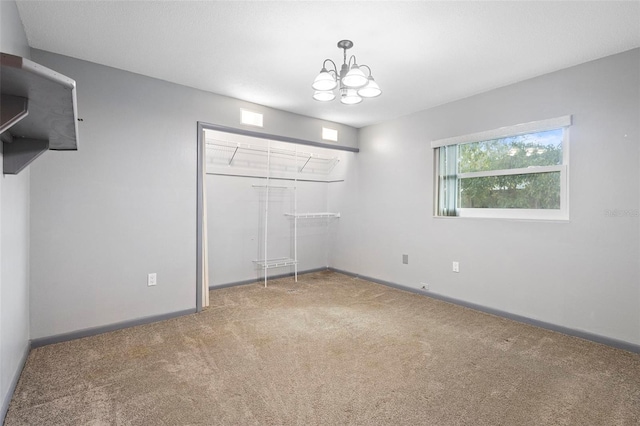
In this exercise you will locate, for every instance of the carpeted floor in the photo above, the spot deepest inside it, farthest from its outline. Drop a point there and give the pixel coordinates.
(329, 350)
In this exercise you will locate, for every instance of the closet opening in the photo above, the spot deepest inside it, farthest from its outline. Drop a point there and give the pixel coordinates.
(265, 206)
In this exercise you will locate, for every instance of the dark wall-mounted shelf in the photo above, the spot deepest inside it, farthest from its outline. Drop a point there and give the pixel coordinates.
(38, 110)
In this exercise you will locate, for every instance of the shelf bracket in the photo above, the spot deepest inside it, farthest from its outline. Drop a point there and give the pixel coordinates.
(6, 137)
(14, 109)
(234, 154)
(305, 163)
(20, 153)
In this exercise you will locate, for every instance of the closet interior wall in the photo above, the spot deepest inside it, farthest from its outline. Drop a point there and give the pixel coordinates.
(254, 188)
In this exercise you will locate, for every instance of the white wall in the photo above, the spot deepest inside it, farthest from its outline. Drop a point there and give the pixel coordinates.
(582, 274)
(236, 223)
(14, 240)
(236, 207)
(124, 204)
(344, 197)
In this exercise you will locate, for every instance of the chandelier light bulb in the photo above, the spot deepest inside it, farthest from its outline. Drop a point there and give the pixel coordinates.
(371, 90)
(355, 78)
(324, 81)
(349, 97)
(324, 95)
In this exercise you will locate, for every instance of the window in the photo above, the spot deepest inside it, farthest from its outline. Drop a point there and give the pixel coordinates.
(329, 134)
(518, 172)
(251, 118)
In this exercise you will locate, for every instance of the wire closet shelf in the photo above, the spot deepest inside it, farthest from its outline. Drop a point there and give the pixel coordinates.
(252, 160)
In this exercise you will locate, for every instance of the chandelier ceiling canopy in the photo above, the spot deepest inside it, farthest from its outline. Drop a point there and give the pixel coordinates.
(351, 81)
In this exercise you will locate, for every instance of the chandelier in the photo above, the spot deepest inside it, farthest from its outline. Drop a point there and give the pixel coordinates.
(353, 83)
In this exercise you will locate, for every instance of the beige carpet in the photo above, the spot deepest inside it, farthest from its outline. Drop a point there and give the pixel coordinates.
(329, 350)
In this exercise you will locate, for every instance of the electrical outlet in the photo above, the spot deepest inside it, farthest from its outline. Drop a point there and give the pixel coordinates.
(405, 259)
(456, 266)
(425, 286)
(152, 279)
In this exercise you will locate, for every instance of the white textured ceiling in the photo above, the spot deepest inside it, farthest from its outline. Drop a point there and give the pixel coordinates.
(422, 53)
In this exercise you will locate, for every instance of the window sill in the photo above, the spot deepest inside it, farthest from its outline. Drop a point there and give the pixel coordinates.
(549, 219)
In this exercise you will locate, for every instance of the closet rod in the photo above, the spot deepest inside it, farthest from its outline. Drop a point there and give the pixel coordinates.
(275, 178)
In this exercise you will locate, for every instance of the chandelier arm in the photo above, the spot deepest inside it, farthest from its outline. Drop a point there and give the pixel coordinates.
(335, 68)
(354, 60)
(367, 67)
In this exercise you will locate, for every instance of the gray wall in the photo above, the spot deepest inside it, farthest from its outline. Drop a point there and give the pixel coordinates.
(13, 39)
(14, 240)
(582, 274)
(124, 204)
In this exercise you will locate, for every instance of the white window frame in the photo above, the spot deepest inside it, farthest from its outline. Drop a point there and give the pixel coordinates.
(561, 214)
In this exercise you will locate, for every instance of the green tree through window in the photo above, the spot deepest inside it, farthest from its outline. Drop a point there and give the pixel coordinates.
(524, 191)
